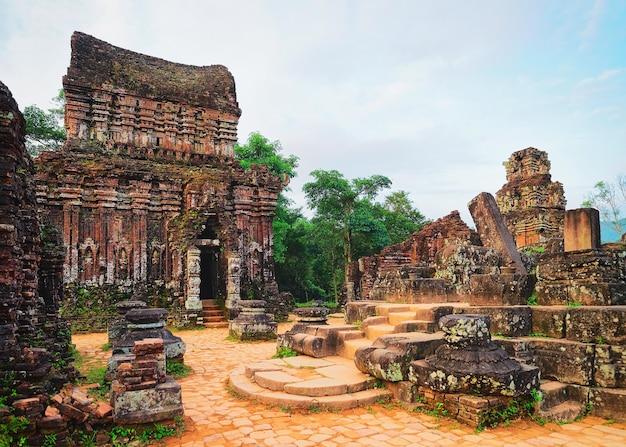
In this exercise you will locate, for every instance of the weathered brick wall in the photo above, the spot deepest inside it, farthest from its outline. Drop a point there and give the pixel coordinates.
(419, 250)
(148, 107)
(34, 344)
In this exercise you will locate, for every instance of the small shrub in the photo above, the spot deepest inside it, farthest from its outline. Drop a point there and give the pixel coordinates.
(284, 351)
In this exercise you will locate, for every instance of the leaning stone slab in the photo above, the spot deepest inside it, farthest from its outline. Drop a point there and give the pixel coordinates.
(493, 231)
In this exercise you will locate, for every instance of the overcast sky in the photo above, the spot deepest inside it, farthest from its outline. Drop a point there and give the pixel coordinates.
(435, 95)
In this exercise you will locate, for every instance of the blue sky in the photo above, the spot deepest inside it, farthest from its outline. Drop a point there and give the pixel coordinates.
(435, 95)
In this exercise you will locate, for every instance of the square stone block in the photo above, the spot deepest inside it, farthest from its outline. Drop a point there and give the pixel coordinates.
(563, 360)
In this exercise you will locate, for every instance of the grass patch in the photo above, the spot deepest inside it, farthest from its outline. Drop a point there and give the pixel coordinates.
(284, 351)
(178, 370)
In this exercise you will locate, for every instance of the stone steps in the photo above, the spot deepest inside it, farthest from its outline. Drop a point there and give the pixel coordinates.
(212, 315)
(304, 382)
(374, 331)
(398, 317)
(558, 403)
(350, 346)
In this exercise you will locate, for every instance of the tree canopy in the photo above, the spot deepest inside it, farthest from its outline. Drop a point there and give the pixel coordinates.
(609, 198)
(44, 130)
(260, 151)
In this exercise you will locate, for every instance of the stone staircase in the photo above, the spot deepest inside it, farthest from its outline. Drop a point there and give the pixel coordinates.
(326, 375)
(305, 382)
(213, 315)
(394, 319)
(342, 362)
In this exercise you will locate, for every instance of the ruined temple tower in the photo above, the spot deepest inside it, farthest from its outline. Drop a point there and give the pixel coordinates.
(146, 191)
(532, 205)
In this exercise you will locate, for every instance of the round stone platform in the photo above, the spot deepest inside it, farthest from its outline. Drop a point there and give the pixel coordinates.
(306, 382)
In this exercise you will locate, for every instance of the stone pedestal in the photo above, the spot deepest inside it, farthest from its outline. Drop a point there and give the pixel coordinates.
(253, 323)
(118, 327)
(471, 363)
(312, 315)
(141, 392)
(582, 229)
(150, 323)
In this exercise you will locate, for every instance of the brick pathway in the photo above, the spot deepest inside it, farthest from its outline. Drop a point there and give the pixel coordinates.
(215, 418)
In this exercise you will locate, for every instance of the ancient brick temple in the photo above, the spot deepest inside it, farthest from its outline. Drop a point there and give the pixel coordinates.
(146, 191)
(533, 206)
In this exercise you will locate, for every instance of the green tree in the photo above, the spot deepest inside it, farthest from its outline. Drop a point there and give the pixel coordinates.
(44, 130)
(260, 151)
(399, 217)
(343, 207)
(328, 264)
(294, 253)
(609, 198)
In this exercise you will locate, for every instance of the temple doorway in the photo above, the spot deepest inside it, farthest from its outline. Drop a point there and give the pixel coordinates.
(208, 274)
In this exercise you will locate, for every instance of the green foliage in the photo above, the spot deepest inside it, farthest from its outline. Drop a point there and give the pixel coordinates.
(284, 351)
(44, 130)
(536, 395)
(260, 151)
(399, 217)
(534, 250)
(343, 209)
(538, 335)
(90, 309)
(10, 430)
(514, 410)
(178, 370)
(437, 411)
(532, 300)
(50, 440)
(573, 304)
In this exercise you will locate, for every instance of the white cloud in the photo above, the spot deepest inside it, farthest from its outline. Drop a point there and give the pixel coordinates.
(433, 94)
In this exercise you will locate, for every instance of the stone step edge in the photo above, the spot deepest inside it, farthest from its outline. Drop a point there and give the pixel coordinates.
(242, 386)
(216, 324)
(278, 380)
(567, 411)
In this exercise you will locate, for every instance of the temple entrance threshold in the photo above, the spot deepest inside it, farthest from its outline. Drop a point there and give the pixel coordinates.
(212, 313)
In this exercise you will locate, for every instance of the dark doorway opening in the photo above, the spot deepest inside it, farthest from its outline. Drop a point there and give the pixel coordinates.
(208, 274)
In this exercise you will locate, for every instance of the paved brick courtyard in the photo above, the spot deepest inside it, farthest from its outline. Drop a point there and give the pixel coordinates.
(216, 418)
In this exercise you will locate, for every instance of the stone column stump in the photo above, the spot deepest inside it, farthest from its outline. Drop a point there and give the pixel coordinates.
(119, 326)
(470, 362)
(253, 323)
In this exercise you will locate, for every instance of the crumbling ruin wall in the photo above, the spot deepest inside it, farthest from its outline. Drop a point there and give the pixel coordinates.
(34, 343)
(146, 192)
(533, 206)
(416, 258)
